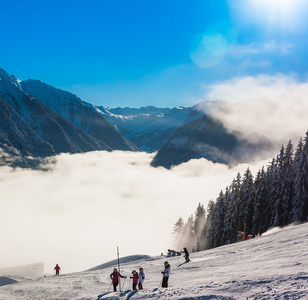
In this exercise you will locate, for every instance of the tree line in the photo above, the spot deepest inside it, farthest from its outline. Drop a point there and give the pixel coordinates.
(276, 196)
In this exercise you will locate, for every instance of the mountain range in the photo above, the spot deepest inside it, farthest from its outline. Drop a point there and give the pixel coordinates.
(149, 127)
(45, 127)
(38, 120)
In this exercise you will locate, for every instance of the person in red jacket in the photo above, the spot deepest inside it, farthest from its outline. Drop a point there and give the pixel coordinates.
(115, 278)
(57, 268)
(135, 278)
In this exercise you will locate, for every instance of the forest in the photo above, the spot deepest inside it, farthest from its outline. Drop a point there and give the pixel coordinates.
(276, 196)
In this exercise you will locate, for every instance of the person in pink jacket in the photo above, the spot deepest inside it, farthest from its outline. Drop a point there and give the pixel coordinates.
(115, 278)
(135, 278)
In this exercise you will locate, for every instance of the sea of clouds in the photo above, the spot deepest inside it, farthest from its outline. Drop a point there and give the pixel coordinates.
(85, 205)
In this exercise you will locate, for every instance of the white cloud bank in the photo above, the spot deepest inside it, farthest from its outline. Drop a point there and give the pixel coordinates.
(275, 107)
(77, 213)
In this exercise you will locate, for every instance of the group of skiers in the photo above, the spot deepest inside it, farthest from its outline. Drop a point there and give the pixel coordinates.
(137, 278)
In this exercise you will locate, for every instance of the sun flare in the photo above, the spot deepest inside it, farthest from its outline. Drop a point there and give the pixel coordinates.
(285, 14)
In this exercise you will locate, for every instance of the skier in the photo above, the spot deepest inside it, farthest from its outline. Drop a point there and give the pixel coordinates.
(115, 278)
(135, 279)
(166, 273)
(141, 278)
(186, 254)
(57, 268)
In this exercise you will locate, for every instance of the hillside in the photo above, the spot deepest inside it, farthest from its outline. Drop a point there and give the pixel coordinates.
(208, 138)
(273, 266)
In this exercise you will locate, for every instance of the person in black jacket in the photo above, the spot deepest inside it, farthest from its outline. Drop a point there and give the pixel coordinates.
(186, 254)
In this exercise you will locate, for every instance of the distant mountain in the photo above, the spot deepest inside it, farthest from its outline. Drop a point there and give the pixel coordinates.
(73, 110)
(30, 128)
(149, 127)
(18, 140)
(206, 138)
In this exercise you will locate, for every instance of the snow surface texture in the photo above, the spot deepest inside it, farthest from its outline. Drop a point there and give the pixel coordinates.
(273, 266)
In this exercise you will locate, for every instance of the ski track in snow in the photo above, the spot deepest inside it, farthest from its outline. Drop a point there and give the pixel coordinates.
(274, 266)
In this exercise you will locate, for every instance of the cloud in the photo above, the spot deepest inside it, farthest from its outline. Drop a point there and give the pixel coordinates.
(86, 205)
(255, 48)
(274, 107)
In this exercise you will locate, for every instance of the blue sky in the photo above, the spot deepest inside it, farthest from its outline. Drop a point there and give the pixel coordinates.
(162, 53)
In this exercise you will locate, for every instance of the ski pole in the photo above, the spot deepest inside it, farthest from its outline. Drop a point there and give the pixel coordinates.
(123, 282)
(109, 286)
(129, 283)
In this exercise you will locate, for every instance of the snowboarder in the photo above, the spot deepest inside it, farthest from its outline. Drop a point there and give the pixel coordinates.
(166, 273)
(186, 254)
(115, 278)
(135, 278)
(57, 268)
(141, 278)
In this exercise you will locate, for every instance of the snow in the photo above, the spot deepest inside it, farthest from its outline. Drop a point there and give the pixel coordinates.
(273, 266)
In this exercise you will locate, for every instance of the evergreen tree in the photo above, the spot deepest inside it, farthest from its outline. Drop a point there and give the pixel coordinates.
(188, 234)
(199, 219)
(199, 223)
(178, 231)
(247, 201)
(233, 223)
(217, 227)
(261, 196)
(224, 236)
(287, 182)
(272, 180)
(178, 226)
(279, 189)
(205, 236)
(300, 200)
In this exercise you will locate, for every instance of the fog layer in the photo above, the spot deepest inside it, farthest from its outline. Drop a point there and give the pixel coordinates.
(78, 212)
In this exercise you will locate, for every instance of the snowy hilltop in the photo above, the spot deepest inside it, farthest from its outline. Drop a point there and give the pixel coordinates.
(273, 266)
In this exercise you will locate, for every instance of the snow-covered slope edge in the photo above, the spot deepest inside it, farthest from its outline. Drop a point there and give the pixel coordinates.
(273, 266)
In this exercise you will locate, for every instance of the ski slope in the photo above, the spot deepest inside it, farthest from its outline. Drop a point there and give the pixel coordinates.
(273, 266)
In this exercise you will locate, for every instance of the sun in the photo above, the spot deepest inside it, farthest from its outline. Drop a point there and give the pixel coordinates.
(284, 14)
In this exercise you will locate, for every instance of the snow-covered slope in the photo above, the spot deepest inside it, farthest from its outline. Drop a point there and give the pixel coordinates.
(73, 110)
(273, 266)
(149, 127)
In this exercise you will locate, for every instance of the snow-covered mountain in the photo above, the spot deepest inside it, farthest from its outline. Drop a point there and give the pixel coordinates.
(149, 127)
(73, 110)
(273, 266)
(29, 127)
(206, 137)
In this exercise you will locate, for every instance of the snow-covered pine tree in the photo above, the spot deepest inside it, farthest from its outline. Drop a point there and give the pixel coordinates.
(300, 199)
(287, 177)
(218, 221)
(188, 234)
(199, 223)
(247, 201)
(261, 196)
(226, 201)
(178, 231)
(284, 185)
(272, 179)
(232, 222)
